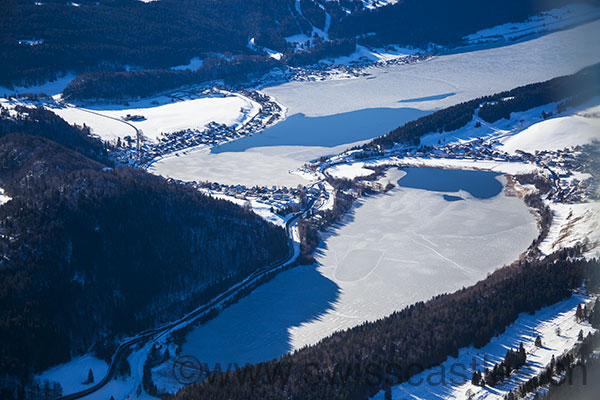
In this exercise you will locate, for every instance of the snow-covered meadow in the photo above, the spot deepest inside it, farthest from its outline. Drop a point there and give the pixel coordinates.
(161, 115)
(73, 374)
(51, 88)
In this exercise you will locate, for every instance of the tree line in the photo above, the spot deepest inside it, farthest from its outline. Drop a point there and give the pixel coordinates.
(576, 89)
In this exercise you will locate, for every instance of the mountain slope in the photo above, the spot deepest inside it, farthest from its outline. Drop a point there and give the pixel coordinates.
(88, 252)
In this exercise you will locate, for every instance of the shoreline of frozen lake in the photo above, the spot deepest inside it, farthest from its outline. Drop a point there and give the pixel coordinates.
(439, 82)
(390, 251)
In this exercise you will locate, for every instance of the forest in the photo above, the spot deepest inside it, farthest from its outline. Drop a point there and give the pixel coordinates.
(89, 252)
(41, 122)
(391, 350)
(575, 89)
(143, 83)
(116, 35)
(421, 22)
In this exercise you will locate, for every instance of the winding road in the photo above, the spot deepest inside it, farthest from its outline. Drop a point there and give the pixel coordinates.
(252, 281)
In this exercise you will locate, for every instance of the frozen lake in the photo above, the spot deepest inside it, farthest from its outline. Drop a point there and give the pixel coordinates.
(326, 117)
(390, 251)
(448, 79)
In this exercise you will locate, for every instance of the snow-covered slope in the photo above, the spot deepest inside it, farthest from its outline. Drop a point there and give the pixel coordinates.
(572, 224)
(557, 133)
(71, 375)
(456, 372)
(50, 88)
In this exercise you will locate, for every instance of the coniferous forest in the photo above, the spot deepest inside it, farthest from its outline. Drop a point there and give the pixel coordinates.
(112, 35)
(88, 252)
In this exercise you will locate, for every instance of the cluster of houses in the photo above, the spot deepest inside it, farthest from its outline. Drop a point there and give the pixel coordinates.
(572, 172)
(280, 198)
(213, 134)
(273, 194)
(567, 168)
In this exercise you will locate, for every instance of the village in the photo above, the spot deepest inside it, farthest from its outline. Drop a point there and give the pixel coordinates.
(126, 152)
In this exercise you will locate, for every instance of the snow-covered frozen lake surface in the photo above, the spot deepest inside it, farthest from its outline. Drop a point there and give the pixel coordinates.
(323, 114)
(263, 166)
(390, 251)
(447, 79)
(327, 131)
(268, 157)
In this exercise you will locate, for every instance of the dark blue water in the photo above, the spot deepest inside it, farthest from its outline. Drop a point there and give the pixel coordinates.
(328, 131)
(480, 184)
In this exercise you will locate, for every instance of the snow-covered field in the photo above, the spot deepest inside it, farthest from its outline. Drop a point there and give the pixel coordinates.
(108, 129)
(50, 88)
(390, 251)
(161, 116)
(427, 385)
(71, 375)
(350, 171)
(557, 133)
